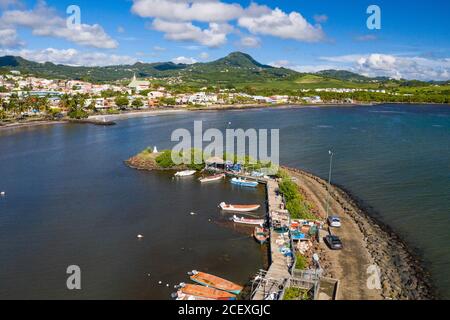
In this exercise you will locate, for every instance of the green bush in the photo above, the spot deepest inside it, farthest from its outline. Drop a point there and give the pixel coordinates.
(296, 204)
(165, 159)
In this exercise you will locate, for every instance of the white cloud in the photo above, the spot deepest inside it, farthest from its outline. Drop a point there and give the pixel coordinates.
(286, 26)
(184, 60)
(71, 57)
(301, 68)
(187, 10)
(258, 19)
(250, 42)
(394, 66)
(9, 38)
(120, 29)
(44, 21)
(214, 36)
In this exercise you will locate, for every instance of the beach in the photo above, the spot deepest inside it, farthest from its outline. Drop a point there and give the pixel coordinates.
(366, 243)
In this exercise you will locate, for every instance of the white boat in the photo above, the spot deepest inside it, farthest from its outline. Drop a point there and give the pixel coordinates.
(254, 222)
(244, 182)
(186, 173)
(239, 208)
(213, 178)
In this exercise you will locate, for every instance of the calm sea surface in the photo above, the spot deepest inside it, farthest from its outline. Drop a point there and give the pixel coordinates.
(71, 200)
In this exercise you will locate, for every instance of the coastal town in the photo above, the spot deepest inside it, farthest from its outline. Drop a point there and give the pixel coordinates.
(26, 97)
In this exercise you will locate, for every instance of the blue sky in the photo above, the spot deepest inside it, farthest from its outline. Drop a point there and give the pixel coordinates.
(305, 35)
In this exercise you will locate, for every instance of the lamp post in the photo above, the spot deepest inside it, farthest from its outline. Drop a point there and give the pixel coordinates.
(331, 153)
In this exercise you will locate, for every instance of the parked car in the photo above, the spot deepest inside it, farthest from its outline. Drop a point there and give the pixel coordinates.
(334, 222)
(333, 242)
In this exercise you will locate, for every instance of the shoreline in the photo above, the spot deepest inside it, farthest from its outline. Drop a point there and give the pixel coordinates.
(157, 112)
(403, 274)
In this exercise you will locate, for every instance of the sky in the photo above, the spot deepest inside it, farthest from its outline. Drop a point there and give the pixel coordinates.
(413, 41)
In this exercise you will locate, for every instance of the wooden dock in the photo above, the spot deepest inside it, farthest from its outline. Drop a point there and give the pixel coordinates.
(278, 272)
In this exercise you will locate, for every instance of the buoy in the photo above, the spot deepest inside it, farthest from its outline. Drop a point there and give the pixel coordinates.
(140, 236)
(160, 282)
(193, 213)
(3, 193)
(167, 285)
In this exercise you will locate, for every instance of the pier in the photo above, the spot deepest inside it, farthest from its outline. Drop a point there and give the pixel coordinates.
(273, 281)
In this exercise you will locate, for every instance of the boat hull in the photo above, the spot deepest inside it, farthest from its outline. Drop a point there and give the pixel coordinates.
(212, 281)
(185, 173)
(206, 292)
(244, 183)
(239, 208)
(253, 222)
(213, 178)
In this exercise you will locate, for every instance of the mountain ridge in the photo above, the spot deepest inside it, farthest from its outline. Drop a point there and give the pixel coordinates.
(235, 67)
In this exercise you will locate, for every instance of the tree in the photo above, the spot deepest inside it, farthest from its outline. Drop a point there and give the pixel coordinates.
(75, 106)
(122, 101)
(137, 103)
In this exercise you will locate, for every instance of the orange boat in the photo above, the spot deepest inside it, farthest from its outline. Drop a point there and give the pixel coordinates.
(209, 280)
(194, 290)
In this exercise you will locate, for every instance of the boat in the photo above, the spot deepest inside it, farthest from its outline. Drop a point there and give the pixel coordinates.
(216, 177)
(255, 222)
(239, 208)
(186, 173)
(212, 281)
(244, 182)
(200, 291)
(261, 235)
(187, 297)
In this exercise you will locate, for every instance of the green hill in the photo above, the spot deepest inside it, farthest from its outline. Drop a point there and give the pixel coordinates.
(237, 70)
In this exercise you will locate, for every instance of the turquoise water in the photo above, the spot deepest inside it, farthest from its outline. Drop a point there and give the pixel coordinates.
(72, 201)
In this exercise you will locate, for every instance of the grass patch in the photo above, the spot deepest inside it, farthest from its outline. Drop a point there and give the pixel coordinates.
(296, 294)
(301, 262)
(296, 203)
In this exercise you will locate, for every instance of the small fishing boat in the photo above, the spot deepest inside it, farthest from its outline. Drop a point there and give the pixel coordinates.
(187, 297)
(216, 177)
(244, 182)
(239, 208)
(205, 292)
(186, 173)
(212, 281)
(254, 222)
(261, 235)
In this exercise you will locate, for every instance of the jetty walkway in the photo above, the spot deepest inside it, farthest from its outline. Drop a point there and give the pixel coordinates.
(278, 271)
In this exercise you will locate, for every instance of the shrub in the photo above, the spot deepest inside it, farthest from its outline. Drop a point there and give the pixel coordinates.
(164, 160)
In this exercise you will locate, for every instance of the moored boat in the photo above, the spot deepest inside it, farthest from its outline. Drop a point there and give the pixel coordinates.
(205, 292)
(212, 281)
(239, 208)
(216, 177)
(186, 173)
(254, 222)
(244, 182)
(261, 235)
